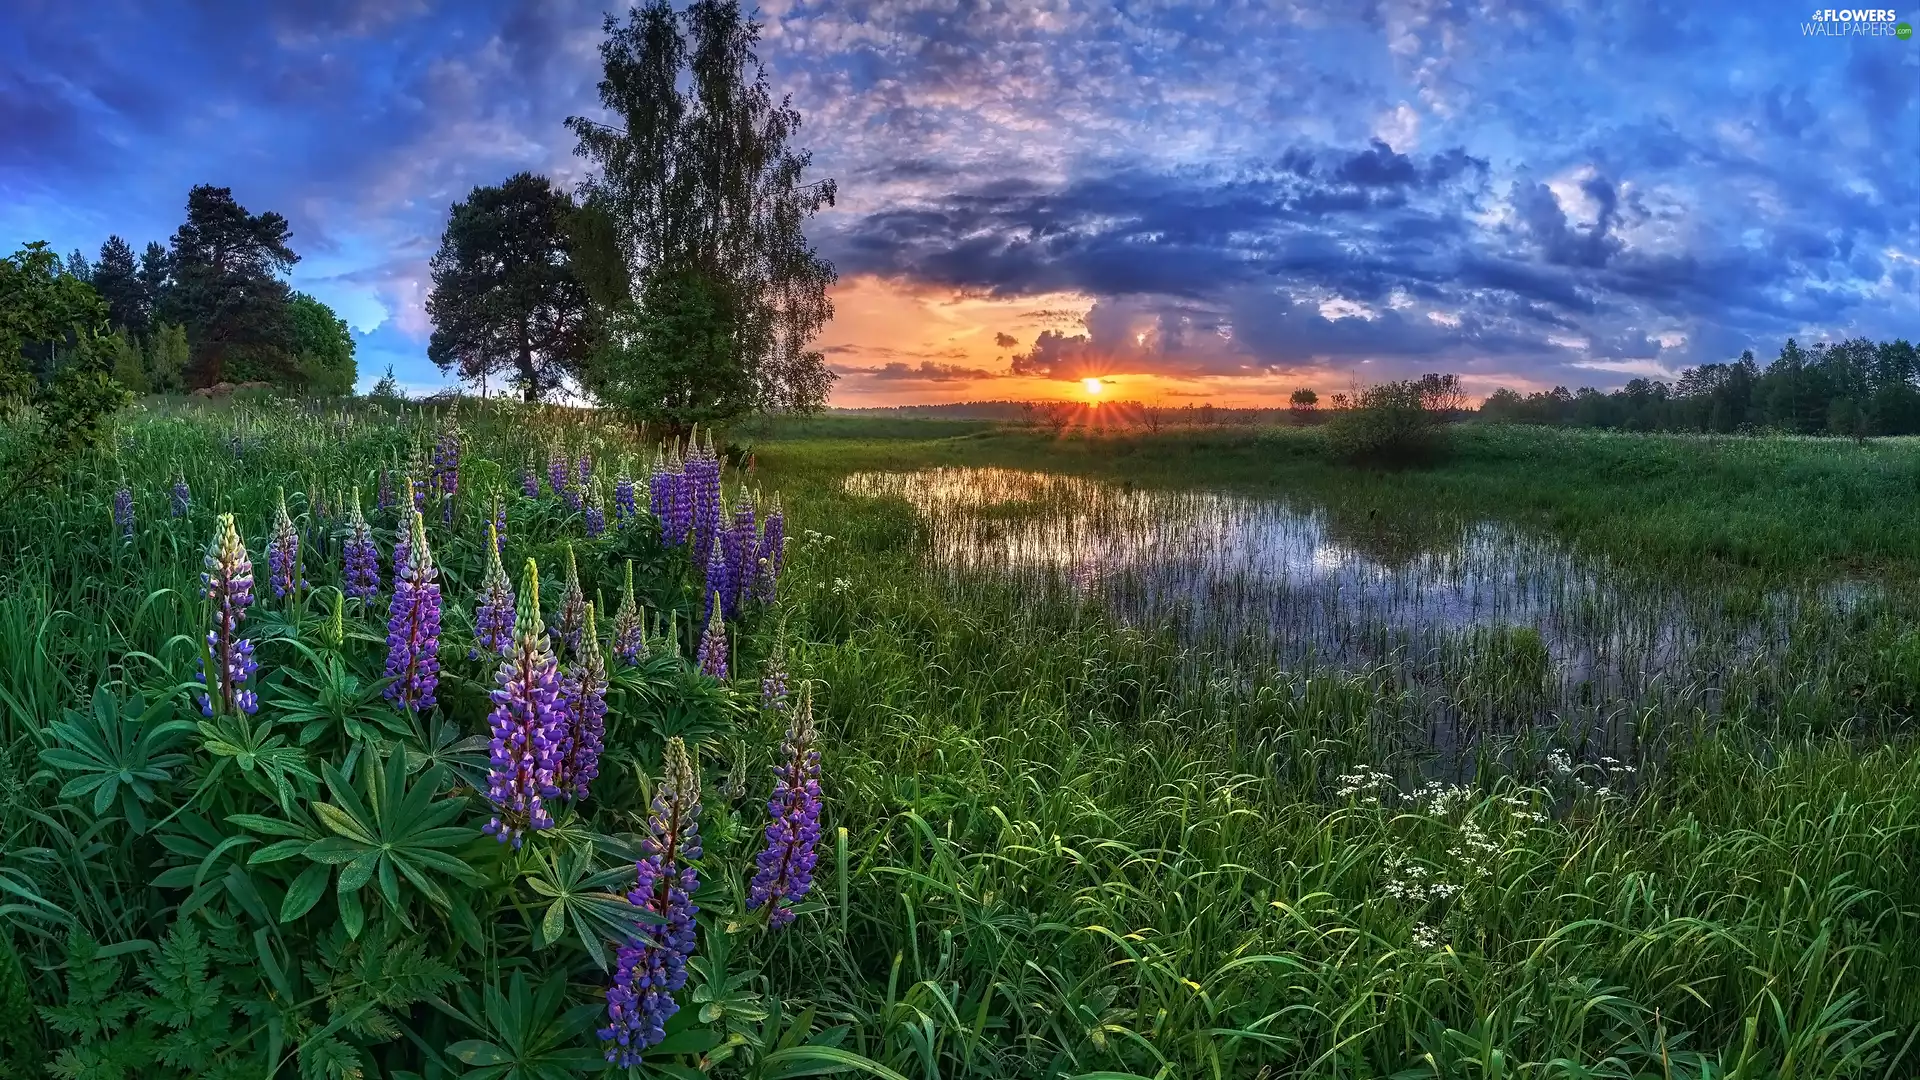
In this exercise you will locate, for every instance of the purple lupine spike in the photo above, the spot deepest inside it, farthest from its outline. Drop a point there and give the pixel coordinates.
(493, 616)
(652, 966)
(418, 477)
(227, 583)
(383, 495)
(595, 516)
(583, 693)
(123, 510)
(625, 507)
(556, 469)
(362, 556)
(445, 480)
(773, 542)
(526, 724)
(783, 870)
(629, 630)
(741, 546)
(713, 644)
(663, 485)
(583, 468)
(498, 522)
(703, 475)
(530, 478)
(182, 495)
(413, 628)
(719, 583)
(573, 608)
(283, 554)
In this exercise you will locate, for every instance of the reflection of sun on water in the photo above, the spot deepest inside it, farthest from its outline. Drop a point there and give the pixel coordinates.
(1092, 387)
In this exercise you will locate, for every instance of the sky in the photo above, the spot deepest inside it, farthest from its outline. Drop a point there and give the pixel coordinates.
(1192, 200)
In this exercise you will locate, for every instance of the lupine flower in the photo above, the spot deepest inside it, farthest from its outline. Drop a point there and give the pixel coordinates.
(499, 524)
(182, 497)
(583, 694)
(703, 478)
(526, 724)
(362, 570)
(583, 468)
(773, 679)
(227, 583)
(283, 554)
(573, 606)
(493, 617)
(713, 644)
(773, 541)
(719, 583)
(530, 479)
(403, 543)
(783, 870)
(625, 507)
(383, 496)
(413, 629)
(629, 632)
(596, 517)
(418, 477)
(653, 965)
(123, 510)
(556, 469)
(446, 468)
(740, 546)
(663, 496)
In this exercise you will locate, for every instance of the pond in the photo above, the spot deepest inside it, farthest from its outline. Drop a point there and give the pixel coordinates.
(1488, 617)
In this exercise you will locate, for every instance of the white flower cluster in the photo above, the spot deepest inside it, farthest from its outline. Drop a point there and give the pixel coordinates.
(1610, 770)
(1408, 880)
(1364, 779)
(814, 537)
(1426, 937)
(841, 586)
(1436, 799)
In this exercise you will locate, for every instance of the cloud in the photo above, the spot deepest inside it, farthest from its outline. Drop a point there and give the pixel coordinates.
(1224, 191)
(925, 371)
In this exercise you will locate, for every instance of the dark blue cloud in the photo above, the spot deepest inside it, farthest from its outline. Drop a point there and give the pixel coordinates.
(1516, 187)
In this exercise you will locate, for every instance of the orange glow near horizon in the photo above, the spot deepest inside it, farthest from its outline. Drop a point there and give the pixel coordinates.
(896, 342)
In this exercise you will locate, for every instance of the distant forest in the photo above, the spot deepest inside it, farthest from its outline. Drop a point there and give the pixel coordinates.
(1855, 388)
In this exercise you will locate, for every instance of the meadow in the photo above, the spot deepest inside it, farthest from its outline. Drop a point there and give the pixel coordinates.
(1648, 809)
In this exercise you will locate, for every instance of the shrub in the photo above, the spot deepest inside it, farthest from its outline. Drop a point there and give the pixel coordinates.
(1395, 423)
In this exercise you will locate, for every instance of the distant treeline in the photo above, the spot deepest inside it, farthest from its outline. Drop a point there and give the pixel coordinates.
(1855, 388)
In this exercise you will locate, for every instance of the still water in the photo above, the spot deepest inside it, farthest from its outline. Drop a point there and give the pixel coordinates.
(1258, 582)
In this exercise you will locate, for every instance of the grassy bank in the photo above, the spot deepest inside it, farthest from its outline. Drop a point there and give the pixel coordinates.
(1688, 505)
(1053, 846)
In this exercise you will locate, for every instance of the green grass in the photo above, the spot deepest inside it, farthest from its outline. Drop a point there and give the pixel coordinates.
(1056, 846)
(1686, 505)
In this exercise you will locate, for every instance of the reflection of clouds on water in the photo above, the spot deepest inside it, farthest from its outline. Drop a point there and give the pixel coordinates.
(1216, 560)
(1252, 581)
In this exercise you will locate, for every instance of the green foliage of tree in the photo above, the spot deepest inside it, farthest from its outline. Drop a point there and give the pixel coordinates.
(1854, 388)
(127, 361)
(167, 357)
(387, 388)
(117, 278)
(324, 347)
(43, 312)
(224, 288)
(704, 206)
(504, 295)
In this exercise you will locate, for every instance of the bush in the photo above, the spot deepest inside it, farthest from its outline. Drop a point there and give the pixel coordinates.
(1395, 423)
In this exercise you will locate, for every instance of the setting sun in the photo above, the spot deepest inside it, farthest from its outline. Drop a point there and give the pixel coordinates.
(1092, 386)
